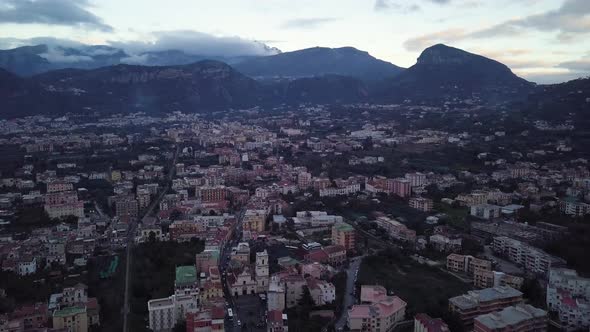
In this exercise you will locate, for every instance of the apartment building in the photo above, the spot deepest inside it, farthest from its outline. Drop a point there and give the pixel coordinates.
(277, 321)
(568, 294)
(425, 323)
(379, 313)
(518, 318)
(401, 187)
(530, 258)
(304, 180)
(72, 319)
(485, 211)
(421, 203)
(59, 186)
(467, 264)
(483, 301)
(487, 278)
(322, 292)
(165, 313)
(206, 319)
(396, 229)
(344, 235)
(254, 220)
(127, 207)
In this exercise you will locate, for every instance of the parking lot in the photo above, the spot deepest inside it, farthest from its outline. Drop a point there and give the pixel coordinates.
(251, 313)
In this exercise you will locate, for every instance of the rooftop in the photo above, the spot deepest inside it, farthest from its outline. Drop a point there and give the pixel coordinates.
(186, 275)
(69, 311)
(510, 316)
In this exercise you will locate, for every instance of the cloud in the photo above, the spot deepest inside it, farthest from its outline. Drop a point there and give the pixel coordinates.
(307, 23)
(582, 64)
(570, 21)
(404, 5)
(51, 12)
(196, 43)
(55, 54)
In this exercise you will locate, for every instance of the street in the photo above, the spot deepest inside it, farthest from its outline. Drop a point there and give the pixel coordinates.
(349, 298)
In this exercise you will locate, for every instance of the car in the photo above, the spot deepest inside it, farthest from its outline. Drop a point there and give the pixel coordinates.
(239, 322)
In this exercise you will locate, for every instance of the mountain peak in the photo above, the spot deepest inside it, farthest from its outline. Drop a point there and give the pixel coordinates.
(442, 54)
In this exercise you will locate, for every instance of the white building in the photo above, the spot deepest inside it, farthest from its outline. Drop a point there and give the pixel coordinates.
(530, 258)
(165, 313)
(275, 295)
(569, 294)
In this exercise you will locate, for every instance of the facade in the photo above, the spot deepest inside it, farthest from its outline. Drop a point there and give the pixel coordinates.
(262, 272)
(165, 313)
(425, 323)
(254, 220)
(421, 203)
(568, 295)
(304, 180)
(210, 319)
(127, 208)
(396, 229)
(380, 312)
(467, 264)
(344, 235)
(484, 301)
(73, 319)
(322, 292)
(518, 318)
(401, 187)
(277, 321)
(487, 278)
(275, 296)
(530, 258)
(294, 285)
(485, 211)
(573, 207)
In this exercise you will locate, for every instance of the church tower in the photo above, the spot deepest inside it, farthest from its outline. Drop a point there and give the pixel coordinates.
(262, 272)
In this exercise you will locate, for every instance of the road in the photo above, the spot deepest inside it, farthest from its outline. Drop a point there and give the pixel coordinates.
(231, 325)
(349, 298)
(131, 230)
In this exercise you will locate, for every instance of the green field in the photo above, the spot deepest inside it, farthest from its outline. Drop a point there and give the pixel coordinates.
(425, 289)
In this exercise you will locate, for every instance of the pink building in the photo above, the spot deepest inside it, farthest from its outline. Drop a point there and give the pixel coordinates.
(380, 314)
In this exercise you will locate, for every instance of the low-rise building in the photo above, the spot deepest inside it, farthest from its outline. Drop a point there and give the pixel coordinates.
(568, 295)
(380, 313)
(518, 318)
(484, 301)
(425, 323)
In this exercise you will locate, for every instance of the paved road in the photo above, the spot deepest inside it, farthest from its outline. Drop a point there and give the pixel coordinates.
(349, 299)
(131, 230)
(231, 325)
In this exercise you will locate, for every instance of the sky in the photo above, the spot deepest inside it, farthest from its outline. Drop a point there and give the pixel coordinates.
(544, 41)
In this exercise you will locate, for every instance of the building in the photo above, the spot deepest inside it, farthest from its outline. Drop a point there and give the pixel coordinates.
(416, 179)
(421, 203)
(518, 318)
(165, 313)
(206, 259)
(530, 258)
(254, 220)
(343, 234)
(322, 292)
(208, 319)
(573, 207)
(484, 301)
(275, 296)
(485, 211)
(262, 272)
(211, 194)
(467, 264)
(73, 319)
(294, 285)
(401, 187)
(445, 243)
(487, 278)
(304, 180)
(127, 207)
(59, 186)
(277, 321)
(396, 229)
(380, 313)
(185, 281)
(568, 295)
(425, 323)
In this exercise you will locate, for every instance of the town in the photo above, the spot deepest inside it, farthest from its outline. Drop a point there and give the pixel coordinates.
(318, 218)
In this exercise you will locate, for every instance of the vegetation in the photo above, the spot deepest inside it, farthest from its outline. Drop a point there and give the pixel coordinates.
(153, 269)
(425, 289)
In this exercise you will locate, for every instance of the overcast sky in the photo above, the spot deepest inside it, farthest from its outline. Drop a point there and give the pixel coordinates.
(541, 40)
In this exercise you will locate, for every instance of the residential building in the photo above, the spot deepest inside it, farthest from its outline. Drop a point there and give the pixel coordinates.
(127, 207)
(483, 278)
(396, 229)
(467, 264)
(401, 187)
(518, 318)
(381, 314)
(254, 220)
(421, 203)
(207, 319)
(568, 294)
(485, 211)
(530, 258)
(483, 301)
(275, 296)
(425, 323)
(322, 292)
(277, 321)
(73, 319)
(343, 234)
(165, 313)
(574, 207)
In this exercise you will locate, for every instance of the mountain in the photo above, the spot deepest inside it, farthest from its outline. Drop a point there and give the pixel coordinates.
(318, 61)
(446, 73)
(125, 88)
(321, 89)
(569, 101)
